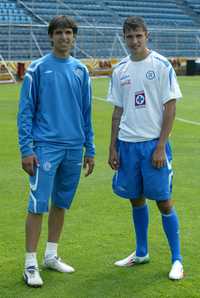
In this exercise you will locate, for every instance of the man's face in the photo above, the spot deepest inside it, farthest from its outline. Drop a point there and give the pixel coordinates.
(63, 39)
(136, 41)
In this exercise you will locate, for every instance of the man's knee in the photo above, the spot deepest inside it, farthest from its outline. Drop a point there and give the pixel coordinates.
(137, 202)
(165, 207)
(57, 209)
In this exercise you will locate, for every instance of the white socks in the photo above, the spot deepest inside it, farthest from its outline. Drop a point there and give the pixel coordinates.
(31, 259)
(51, 250)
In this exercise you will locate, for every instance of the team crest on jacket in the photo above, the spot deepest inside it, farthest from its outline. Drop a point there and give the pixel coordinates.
(150, 75)
(79, 73)
(140, 100)
(47, 166)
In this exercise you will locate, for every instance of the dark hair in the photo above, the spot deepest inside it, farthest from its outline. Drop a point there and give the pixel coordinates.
(62, 22)
(133, 23)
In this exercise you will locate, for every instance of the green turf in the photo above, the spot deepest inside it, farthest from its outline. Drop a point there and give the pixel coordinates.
(98, 228)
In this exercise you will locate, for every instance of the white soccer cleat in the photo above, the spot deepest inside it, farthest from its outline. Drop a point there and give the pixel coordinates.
(55, 263)
(32, 277)
(176, 272)
(132, 260)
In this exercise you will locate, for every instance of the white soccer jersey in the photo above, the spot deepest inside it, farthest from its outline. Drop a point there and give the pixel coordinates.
(142, 88)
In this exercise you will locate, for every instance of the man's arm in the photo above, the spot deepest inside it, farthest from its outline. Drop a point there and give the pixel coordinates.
(113, 156)
(158, 157)
(26, 112)
(88, 163)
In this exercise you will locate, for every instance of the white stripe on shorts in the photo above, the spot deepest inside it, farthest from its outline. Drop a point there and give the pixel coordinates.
(169, 166)
(34, 186)
(34, 202)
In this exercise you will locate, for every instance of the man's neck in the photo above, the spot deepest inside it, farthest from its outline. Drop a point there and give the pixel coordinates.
(62, 55)
(141, 56)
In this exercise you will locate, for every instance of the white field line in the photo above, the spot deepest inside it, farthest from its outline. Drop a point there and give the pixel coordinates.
(99, 98)
(177, 118)
(188, 121)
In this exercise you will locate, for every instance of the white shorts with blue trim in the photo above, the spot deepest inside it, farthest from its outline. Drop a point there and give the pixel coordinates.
(57, 176)
(137, 178)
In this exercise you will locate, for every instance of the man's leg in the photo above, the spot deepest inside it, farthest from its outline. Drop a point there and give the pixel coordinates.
(33, 230)
(65, 185)
(41, 185)
(55, 225)
(140, 220)
(171, 227)
(128, 183)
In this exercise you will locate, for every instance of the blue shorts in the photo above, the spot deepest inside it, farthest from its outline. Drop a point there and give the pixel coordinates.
(137, 178)
(57, 176)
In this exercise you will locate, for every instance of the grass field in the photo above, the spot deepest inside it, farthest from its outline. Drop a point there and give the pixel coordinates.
(98, 228)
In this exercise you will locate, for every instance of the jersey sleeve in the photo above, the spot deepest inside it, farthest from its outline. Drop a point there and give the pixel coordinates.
(114, 92)
(169, 85)
(26, 112)
(87, 115)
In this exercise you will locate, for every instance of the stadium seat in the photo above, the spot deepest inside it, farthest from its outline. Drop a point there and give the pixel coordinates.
(195, 5)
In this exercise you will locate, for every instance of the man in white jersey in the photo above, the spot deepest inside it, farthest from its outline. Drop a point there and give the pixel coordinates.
(54, 125)
(144, 91)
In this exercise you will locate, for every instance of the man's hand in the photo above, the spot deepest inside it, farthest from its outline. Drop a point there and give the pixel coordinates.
(29, 163)
(113, 159)
(88, 165)
(159, 157)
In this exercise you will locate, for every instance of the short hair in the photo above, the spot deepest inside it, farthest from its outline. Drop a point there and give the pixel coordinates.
(62, 22)
(134, 22)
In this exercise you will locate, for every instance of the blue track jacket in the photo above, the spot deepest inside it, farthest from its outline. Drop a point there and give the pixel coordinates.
(55, 106)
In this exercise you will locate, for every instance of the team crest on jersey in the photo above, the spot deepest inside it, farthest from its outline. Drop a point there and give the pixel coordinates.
(150, 75)
(140, 100)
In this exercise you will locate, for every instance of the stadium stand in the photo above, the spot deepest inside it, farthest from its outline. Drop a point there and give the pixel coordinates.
(23, 34)
(155, 12)
(85, 12)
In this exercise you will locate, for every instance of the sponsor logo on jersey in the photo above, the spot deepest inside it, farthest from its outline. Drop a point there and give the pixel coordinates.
(124, 77)
(140, 100)
(150, 75)
(125, 80)
(48, 71)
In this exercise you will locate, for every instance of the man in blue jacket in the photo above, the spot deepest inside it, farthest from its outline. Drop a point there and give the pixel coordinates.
(54, 124)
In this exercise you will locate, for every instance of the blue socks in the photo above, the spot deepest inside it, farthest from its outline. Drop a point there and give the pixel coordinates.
(171, 228)
(141, 221)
